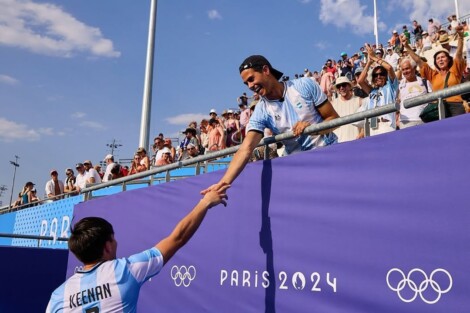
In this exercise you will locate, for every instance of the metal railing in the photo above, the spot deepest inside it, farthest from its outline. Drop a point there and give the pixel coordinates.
(312, 129)
(439, 95)
(201, 161)
(33, 237)
(8, 208)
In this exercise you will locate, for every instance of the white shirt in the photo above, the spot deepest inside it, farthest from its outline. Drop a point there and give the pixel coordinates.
(50, 187)
(80, 180)
(410, 90)
(344, 108)
(427, 42)
(93, 173)
(392, 60)
(107, 174)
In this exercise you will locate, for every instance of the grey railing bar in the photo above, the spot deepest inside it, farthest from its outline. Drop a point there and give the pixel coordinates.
(64, 195)
(433, 96)
(33, 237)
(288, 135)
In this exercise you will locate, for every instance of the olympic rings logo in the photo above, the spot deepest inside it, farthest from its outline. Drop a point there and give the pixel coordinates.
(419, 289)
(183, 275)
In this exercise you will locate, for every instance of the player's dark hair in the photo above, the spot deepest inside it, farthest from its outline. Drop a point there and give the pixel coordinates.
(88, 238)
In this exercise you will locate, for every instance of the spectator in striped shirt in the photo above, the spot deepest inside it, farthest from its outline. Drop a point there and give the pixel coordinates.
(284, 106)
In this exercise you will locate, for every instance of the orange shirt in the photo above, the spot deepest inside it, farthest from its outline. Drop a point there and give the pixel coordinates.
(437, 80)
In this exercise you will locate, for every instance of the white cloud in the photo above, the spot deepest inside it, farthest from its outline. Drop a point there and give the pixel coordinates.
(357, 15)
(424, 9)
(185, 119)
(48, 131)
(214, 15)
(78, 115)
(11, 131)
(348, 14)
(92, 125)
(320, 45)
(45, 28)
(8, 80)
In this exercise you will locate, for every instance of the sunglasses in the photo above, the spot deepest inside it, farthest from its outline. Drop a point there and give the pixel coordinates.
(342, 85)
(379, 74)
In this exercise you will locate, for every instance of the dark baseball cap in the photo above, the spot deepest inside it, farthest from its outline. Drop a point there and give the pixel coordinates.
(259, 61)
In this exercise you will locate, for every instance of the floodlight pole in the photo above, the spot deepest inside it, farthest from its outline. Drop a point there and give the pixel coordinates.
(457, 9)
(376, 28)
(147, 98)
(113, 146)
(15, 165)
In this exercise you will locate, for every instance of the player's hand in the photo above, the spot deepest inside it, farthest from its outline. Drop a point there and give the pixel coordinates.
(214, 187)
(216, 196)
(299, 128)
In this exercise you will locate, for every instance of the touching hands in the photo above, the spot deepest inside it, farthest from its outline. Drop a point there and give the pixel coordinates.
(217, 186)
(216, 196)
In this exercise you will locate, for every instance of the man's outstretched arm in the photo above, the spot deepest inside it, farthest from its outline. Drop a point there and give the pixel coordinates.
(186, 228)
(239, 161)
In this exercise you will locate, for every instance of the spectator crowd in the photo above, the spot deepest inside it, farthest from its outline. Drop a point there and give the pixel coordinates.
(413, 62)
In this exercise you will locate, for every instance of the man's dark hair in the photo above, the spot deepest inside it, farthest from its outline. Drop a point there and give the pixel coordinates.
(88, 238)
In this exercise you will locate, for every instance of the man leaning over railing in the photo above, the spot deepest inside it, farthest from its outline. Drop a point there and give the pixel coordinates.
(284, 106)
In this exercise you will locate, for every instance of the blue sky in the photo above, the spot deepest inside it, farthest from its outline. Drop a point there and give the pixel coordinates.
(71, 72)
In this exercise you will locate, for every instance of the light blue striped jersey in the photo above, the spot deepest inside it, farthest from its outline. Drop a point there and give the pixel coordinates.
(301, 98)
(111, 286)
(383, 96)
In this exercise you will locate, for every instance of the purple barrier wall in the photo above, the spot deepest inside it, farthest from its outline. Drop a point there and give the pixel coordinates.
(28, 276)
(380, 225)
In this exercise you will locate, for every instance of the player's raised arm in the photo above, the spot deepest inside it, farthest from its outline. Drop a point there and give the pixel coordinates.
(186, 228)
